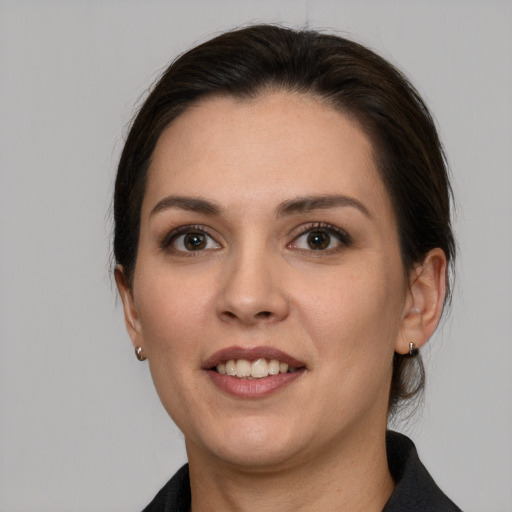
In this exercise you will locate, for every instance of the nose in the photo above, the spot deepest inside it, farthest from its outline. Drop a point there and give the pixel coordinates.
(253, 289)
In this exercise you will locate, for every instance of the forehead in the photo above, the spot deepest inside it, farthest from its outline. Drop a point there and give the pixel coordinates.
(275, 145)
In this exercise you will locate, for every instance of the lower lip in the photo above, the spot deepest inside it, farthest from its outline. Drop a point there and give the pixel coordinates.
(253, 388)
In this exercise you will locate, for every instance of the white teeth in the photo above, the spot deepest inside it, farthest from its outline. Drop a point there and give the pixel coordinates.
(243, 368)
(273, 367)
(258, 369)
(230, 368)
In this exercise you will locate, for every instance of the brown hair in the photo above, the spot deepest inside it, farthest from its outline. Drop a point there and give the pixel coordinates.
(352, 79)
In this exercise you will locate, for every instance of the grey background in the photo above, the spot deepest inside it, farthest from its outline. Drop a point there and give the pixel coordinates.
(81, 428)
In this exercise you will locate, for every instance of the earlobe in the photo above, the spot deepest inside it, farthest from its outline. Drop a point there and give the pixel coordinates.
(424, 302)
(131, 316)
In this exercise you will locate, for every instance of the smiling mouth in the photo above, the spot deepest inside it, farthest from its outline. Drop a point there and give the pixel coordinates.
(257, 369)
(253, 373)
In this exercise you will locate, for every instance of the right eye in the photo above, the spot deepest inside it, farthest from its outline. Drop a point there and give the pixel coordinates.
(190, 240)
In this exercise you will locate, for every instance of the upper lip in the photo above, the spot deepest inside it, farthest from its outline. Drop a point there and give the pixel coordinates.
(251, 354)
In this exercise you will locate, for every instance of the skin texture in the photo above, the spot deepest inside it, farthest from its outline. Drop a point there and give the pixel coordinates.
(317, 443)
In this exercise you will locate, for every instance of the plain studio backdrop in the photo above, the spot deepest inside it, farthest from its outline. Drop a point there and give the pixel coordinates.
(81, 427)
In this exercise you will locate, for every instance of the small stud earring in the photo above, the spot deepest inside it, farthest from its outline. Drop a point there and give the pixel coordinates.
(139, 355)
(413, 351)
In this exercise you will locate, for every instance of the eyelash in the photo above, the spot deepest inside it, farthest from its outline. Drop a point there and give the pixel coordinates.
(340, 234)
(171, 237)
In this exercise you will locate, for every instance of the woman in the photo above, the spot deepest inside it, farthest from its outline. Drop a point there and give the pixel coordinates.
(283, 240)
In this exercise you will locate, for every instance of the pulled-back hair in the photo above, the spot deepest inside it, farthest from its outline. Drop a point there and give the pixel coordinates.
(349, 77)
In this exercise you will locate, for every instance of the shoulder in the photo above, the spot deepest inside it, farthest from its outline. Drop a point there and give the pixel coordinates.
(174, 495)
(415, 489)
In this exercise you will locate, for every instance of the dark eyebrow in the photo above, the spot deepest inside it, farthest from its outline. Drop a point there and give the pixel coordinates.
(310, 203)
(299, 205)
(192, 204)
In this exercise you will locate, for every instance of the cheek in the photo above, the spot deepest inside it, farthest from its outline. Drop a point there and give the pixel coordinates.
(175, 316)
(353, 313)
(353, 325)
(174, 312)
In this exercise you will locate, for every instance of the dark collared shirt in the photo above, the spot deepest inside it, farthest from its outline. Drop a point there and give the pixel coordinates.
(415, 490)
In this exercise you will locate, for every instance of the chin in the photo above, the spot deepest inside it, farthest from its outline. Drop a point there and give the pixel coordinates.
(253, 444)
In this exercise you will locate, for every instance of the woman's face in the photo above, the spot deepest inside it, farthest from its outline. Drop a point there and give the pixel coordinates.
(267, 235)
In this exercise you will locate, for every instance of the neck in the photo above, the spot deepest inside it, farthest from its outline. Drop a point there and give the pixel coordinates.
(350, 476)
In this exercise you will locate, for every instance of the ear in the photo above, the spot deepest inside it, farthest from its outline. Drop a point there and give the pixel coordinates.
(131, 316)
(424, 301)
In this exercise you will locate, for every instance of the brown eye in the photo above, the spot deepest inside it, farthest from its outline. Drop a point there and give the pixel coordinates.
(322, 237)
(194, 241)
(189, 240)
(318, 240)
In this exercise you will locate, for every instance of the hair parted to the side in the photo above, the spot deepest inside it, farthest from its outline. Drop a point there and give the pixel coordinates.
(352, 79)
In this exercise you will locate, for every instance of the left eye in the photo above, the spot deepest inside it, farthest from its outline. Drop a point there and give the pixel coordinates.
(193, 241)
(319, 239)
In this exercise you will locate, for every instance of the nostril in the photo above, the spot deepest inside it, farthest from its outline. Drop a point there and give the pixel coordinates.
(262, 316)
